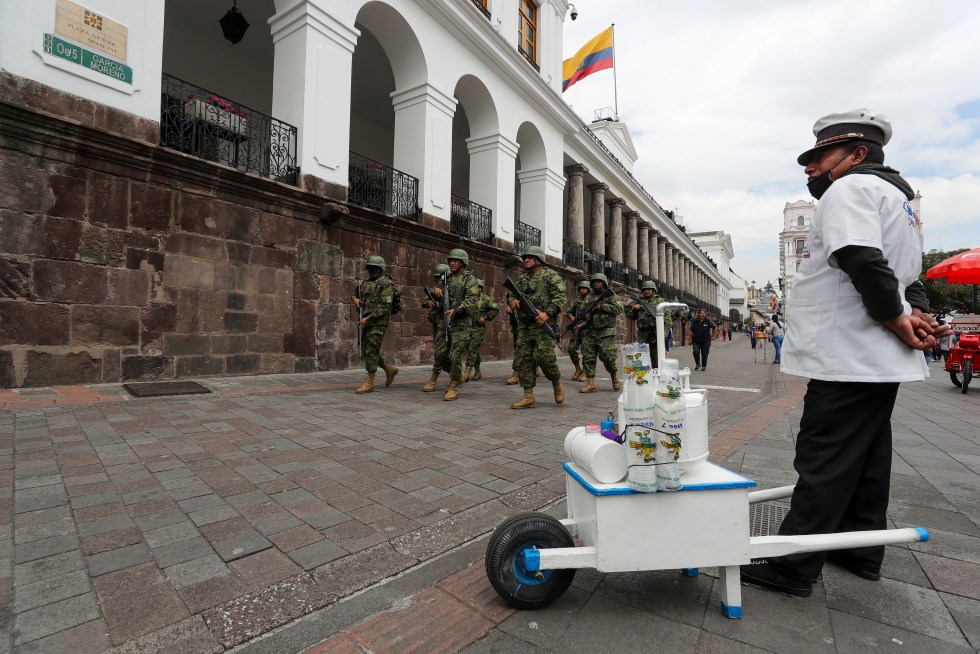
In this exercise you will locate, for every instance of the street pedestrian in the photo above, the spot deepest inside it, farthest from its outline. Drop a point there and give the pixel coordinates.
(575, 342)
(440, 344)
(486, 310)
(459, 307)
(373, 300)
(646, 325)
(599, 339)
(535, 347)
(703, 329)
(776, 333)
(859, 317)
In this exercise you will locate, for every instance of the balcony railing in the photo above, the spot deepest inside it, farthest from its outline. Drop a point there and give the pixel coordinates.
(594, 261)
(482, 6)
(633, 277)
(469, 219)
(525, 235)
(376, 186)
(529, 58)
(202, 124)
(615, 271)
(669, 293)
(573, 254)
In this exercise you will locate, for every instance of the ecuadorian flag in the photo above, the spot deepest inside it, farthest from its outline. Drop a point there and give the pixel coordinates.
(592, 57)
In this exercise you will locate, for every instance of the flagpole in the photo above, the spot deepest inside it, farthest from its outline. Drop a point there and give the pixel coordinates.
(615, 85)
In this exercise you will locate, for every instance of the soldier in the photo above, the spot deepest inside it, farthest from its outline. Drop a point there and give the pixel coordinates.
(599, 339)
(440, 347)
(546, 291)
(646, 326)
(373, 300)
(575, 342)
(460, 307)
(486, 310)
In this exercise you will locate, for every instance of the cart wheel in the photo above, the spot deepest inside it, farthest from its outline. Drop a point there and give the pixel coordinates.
(967, 374)
(505, 564)
(955, 378)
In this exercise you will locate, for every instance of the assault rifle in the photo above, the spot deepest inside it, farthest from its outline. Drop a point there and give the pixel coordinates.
(587, 311)
(360, 327)
(530, 310)
(643, 305)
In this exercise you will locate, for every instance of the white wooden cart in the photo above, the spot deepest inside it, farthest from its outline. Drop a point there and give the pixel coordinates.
(532, 557)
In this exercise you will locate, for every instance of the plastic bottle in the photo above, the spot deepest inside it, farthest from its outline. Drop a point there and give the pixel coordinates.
(670, 413)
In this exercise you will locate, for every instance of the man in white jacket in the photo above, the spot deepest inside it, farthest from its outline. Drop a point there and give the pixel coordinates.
(859, 324)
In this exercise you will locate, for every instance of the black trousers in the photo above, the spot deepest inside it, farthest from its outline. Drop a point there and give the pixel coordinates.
(701, 352)
(843, 457)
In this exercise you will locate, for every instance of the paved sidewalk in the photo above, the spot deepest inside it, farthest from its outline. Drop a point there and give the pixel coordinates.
(283, 513)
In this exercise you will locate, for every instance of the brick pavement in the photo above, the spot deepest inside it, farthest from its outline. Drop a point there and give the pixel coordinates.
(203, 522)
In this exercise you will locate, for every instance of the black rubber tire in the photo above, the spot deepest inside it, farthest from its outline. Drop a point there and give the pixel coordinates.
(955, 378)
(504, 560)
(967, 374)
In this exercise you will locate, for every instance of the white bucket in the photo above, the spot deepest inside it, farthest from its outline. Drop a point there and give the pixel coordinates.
(601, 457)
(694, 439)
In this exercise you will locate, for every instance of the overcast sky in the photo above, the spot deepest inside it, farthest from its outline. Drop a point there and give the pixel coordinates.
(720, 97)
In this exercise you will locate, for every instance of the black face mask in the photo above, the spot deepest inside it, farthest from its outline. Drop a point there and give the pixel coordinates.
(374, 272)
(819, 184)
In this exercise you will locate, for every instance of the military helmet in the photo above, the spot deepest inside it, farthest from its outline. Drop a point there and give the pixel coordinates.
(459, 253)
(376, 261)
(649, 284)
(600, 277)
(584, 284)
(534, 251)
(440, 270)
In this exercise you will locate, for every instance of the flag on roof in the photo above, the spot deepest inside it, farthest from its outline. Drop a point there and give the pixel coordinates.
(592, 57)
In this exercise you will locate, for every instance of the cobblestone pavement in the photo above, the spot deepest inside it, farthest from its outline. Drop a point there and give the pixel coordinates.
(284, 513)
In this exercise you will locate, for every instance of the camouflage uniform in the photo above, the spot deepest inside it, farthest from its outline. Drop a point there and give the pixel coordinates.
(463, 294)
(487, 309)
(599, 336)
(646, 326)
(575, 342)
(546, 291)
(376, 294)
(440, 347)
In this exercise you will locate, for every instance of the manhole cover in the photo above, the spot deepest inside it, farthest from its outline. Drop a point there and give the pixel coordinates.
(156, 389)
(765, 518)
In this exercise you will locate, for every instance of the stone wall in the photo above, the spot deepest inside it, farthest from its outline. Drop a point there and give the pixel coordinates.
(121, 260)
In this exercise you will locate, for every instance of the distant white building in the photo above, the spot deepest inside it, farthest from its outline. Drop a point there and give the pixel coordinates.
(718, 246)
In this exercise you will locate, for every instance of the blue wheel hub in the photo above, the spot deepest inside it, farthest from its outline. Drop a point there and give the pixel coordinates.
(526, 566)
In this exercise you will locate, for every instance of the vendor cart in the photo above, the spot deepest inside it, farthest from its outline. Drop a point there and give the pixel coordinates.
(963, 350)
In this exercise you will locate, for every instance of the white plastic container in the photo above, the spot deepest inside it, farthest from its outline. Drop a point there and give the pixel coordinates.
(694, 447)
(601, 457)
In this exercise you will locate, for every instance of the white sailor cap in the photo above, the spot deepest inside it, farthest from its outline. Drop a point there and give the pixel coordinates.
(853, 125)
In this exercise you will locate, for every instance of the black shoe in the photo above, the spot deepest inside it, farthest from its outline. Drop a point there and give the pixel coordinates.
(703, 368)
(858, 568)
(766, 576)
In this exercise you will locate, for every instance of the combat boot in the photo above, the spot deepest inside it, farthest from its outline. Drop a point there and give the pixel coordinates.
(559, 391)
(579, 374)
(616, 383)
(513, 379)
(477, 374)
(390, 372)
(466, 374)
(589, 387)
(452, 391)
(527, 402)
(431, 384)
(368, 384)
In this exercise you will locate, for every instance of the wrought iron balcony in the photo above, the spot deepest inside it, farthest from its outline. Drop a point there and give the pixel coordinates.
(469, 219)
(205, 125)
(616, 271)
(573, 254)
(482, 6)
(376, 186)
(594, 262)
(670, 293)
(633, 277)
(525, 235)
(529, 58)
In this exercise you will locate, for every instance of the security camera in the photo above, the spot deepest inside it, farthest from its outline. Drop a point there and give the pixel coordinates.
(573, 11)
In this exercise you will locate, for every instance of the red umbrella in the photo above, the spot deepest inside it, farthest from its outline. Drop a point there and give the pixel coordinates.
(964, 268)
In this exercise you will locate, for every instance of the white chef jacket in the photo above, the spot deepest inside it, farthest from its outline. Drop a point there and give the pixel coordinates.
(829, 333)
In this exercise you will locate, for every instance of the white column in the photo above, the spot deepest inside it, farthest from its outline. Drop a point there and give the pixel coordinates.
(630, 240)
(424, 143)
(311, 86)
(542, 196)
(642, 246)
(492, 160)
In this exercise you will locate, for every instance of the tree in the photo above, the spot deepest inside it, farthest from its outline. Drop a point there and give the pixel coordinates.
(945, 298)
